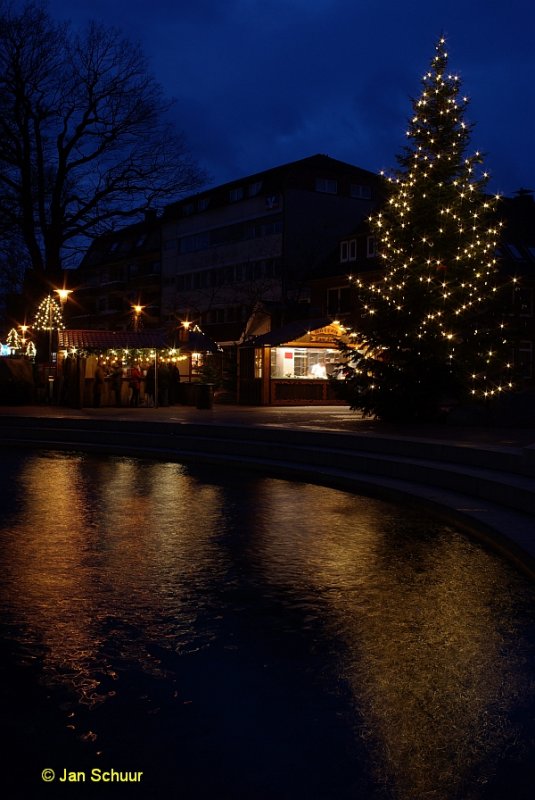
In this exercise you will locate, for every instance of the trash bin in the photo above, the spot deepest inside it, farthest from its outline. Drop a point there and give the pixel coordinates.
(205, 395)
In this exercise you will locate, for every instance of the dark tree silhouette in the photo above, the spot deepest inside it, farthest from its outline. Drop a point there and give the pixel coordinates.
(85, 140)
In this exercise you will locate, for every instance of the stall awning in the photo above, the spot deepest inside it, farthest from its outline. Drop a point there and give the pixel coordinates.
(111, 340)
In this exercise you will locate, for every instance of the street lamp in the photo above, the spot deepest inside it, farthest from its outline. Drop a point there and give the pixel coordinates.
(63, 296)
(137, 309)
(24, 329)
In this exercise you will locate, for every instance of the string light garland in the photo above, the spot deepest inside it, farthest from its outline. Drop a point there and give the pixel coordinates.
(437, 234)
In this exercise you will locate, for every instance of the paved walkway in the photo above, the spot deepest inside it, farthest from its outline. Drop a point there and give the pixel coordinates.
(326, 418)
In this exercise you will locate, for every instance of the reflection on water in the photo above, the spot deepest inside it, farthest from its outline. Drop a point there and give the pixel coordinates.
(213, 625)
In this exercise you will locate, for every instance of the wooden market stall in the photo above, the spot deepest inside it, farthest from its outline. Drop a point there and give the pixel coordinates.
(168, 367)
(81, 352)
(292, 365)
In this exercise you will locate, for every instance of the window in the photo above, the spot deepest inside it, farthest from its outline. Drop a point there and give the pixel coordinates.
(524, 301)
(326, 185)
(339, 300)
(360, 191)
(525, 359)
(235, 194)
(200, 280)
(203, 203)
(515, 252)
(254, 188)
(198, 241)
(272, 201)
(305, 363)
(371, 247)
(348, 250)
(258, 362)
(215, 316)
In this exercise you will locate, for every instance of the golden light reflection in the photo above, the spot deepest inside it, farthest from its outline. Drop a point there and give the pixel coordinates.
(426, 629)
(107, 554)
(103, 547)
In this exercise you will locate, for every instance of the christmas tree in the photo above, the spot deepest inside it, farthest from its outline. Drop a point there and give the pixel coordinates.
(48, 316)
(430, 331)
(13, 339)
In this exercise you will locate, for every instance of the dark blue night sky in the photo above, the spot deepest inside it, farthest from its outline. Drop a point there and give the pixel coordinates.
(259, 83)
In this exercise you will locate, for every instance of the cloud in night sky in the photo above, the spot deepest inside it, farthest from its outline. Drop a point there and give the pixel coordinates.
(258, 84)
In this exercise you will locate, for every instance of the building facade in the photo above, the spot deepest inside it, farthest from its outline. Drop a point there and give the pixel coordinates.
(118, 283)
(255, 243)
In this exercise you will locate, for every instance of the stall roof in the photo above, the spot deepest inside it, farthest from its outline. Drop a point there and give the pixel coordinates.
(197, 342)
(111, 340)
(291, 332)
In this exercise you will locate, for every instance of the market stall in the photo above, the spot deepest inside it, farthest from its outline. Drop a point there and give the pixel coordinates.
(292, 365)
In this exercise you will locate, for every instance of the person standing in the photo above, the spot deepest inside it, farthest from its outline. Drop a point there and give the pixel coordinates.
(150, 386)
(117, 383)
(98, 383)
(135, 385)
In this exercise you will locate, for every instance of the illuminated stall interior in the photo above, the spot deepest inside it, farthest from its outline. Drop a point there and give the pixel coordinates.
(292, 365)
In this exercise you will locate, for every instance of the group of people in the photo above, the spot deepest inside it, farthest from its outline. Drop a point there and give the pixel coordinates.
(161, 387)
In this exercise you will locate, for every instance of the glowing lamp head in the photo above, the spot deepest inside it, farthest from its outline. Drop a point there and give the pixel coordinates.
(63, 294)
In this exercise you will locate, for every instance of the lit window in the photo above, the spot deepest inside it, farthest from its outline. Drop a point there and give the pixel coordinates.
(258, 362)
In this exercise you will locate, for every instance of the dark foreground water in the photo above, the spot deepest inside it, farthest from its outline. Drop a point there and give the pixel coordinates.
(234, 636)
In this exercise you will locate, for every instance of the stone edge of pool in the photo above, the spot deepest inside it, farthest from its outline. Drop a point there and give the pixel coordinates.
(487, 490)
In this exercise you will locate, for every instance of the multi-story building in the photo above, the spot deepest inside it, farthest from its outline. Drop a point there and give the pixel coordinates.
(118, 284)
(517, 261)
(253, 245)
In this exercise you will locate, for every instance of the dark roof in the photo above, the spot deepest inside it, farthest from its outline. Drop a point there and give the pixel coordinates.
(274, 179)
(111, 340)
(290, 332)
(197, 342)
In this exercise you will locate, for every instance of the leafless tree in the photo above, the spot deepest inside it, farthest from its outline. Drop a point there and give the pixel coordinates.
(85, 141)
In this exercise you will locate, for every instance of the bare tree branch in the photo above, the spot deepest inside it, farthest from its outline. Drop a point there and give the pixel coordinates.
(85, 140)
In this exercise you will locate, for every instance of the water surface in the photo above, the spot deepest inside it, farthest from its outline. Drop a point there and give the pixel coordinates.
(236, 636)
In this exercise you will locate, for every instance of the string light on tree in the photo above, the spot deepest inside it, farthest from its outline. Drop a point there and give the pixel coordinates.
(436, 238)
(13, 340)
(49, 316)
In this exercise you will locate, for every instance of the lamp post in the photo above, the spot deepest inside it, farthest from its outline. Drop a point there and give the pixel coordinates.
(63, 296)
(137, 314)
(23, 329)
